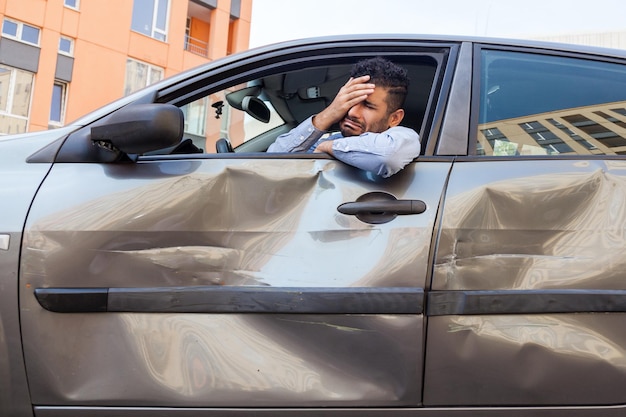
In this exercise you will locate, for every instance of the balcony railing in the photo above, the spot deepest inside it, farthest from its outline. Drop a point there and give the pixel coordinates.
(196, 46)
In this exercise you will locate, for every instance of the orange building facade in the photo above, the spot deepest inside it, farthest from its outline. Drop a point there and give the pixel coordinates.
(60, 59)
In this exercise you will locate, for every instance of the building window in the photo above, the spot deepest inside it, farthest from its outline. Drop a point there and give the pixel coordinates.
(150, 18)
(195, 114)
(140, 75)
(15, 95)
(20, 31)
(66, 46)
(57, 107)
(72, 4)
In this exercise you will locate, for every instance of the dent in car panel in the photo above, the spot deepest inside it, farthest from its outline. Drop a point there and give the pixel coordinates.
(224, 227)
(559, 229)
(224, 222)
(530, 225)
(525, 360)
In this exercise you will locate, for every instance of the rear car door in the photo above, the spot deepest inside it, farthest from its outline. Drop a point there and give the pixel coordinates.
(232, 280)
(528, 290)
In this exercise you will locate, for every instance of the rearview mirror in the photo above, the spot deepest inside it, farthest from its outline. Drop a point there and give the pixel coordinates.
(256, 108)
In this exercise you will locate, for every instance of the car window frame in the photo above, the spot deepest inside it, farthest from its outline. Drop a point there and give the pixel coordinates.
(443, 53)
(190, 85)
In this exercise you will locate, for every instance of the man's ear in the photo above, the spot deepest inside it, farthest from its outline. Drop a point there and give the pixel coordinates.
(396, 117)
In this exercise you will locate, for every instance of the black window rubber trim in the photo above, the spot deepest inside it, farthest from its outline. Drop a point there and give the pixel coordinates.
(212, 299)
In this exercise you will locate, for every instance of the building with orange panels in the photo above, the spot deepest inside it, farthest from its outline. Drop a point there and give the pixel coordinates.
(60, 59)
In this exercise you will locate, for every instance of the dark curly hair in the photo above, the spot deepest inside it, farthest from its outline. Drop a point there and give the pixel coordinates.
(386, 74)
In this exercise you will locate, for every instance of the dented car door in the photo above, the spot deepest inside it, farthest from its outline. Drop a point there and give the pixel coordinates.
(213, 282)
(528, 292)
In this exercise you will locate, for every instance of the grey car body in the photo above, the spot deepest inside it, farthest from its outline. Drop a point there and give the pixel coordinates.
(140, 277)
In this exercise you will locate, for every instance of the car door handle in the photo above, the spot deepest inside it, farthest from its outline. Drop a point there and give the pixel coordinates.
(379, 207)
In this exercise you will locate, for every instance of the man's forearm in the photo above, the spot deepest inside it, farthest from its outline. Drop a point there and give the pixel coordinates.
(299, 139)
(383, 153)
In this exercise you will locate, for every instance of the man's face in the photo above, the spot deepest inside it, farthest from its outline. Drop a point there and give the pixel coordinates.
(370, 115)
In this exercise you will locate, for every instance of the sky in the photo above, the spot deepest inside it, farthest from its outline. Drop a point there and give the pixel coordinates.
(279, 20)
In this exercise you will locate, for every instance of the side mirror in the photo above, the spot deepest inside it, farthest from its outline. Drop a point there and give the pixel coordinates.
(140, 128)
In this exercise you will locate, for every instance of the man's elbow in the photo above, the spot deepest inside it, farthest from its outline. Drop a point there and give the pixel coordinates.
(393, 163)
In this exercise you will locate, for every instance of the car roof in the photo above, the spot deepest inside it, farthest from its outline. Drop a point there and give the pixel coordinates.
(150, 92)
(528, 43)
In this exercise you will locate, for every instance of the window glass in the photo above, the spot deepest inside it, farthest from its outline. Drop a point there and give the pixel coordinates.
(30, 34)
(142, 16)
(150, 18)
(15, 95)
(532, 104)
(195, 117)
(140, 75)
(161, 15)
(71, 3)
(22, 93)
(5, 82)
(9, 28)
(136, 76)
(154, 74)
(20, 31)
(57, 106)
(66, 45)
(10, 125)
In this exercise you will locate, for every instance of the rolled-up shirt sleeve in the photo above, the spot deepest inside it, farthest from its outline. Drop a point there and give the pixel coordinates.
(383, 153)
(298, 139)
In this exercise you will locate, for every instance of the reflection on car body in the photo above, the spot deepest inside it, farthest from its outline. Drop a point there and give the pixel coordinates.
(165, 263)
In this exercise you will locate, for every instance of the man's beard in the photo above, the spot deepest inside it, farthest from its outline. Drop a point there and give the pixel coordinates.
(378, 127)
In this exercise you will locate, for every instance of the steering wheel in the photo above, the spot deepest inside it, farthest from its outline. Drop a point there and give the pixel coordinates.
(223, 146)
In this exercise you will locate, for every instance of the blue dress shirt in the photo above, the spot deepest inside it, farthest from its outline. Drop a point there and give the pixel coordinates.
(382, 153)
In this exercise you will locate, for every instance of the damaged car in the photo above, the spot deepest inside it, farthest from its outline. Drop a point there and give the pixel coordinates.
(155, 260)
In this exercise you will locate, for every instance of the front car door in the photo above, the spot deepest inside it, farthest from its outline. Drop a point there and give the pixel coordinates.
(231, 280)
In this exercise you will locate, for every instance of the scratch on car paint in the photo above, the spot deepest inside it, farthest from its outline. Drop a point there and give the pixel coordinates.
(188, 257)
(331, 325)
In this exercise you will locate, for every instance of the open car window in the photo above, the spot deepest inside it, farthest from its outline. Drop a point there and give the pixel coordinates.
(249, 115)
(243, 107)
(219, 117)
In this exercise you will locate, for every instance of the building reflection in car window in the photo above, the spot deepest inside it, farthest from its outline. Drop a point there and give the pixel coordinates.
(534, 104)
